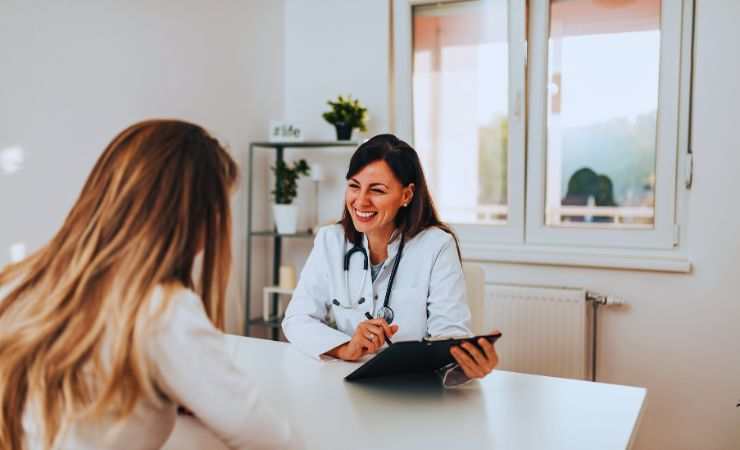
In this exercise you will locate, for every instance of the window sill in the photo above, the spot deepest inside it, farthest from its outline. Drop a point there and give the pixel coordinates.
(603, 258)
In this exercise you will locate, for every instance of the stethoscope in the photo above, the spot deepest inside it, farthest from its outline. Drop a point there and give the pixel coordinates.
(386, 312)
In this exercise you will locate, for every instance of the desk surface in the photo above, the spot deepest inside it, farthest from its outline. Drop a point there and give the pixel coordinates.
(503, 411)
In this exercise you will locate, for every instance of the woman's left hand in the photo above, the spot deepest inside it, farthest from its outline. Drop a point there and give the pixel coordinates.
(475, 361)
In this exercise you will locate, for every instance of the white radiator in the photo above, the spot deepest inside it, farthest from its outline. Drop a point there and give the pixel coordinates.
(546, 330)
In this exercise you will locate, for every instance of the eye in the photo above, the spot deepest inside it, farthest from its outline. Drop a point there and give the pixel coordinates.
(354, 186)
(378, 191)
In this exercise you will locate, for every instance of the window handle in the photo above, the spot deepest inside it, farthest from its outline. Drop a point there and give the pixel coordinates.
(518, 105)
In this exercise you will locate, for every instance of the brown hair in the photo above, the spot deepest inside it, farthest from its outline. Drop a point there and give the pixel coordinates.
(403, 160)
(157, 196)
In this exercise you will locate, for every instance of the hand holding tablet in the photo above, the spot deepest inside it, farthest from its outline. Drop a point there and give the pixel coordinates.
(418, 356)
(476, 358)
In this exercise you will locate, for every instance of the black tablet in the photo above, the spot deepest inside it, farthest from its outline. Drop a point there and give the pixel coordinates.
(412, 357)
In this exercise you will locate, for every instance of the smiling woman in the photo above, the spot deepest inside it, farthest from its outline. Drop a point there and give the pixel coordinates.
(384, 176)
(373, 199)
(410, 287)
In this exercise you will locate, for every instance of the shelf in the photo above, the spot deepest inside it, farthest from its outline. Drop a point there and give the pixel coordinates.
(277, 290)
(271, 300)
(306, 144)
(269, 233)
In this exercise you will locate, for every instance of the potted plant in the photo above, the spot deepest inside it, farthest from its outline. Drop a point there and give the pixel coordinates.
(346, 114)
(286, 177)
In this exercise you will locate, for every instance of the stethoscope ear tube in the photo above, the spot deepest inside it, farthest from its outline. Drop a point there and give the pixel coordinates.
(348, 257)
(365, 265)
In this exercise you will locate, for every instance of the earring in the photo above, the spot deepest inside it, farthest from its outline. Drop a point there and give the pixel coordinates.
(405, 205)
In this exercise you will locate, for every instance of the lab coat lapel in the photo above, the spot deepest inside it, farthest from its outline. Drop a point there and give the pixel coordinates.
(393, 245)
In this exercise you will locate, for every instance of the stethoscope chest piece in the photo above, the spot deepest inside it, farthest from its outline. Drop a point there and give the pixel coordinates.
(386, 313)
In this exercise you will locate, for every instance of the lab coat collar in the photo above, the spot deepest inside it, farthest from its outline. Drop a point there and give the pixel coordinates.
(393, 244)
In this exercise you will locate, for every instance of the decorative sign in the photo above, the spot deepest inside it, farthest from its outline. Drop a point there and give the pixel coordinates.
(285, 132)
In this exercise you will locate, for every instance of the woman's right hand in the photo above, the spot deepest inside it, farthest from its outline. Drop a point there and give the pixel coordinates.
(369, 336)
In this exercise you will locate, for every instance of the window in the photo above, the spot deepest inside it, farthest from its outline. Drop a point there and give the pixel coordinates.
(460, 88)
(575, 108)
(602, 108)
(467, 73)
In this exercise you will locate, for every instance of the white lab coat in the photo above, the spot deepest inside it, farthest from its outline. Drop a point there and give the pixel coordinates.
(428, 297)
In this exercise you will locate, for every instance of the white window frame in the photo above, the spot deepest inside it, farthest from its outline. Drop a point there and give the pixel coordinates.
(474, 235)
(661, 236)
(525, 238)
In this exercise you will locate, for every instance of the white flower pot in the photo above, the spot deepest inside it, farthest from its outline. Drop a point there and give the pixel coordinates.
(286, 218)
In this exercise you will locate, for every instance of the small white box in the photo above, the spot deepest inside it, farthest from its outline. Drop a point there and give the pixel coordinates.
(281, 131)
(282, 292)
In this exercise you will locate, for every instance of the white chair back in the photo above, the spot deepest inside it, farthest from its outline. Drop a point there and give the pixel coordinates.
(475, 281)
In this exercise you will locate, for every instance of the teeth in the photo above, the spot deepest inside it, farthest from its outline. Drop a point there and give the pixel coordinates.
(364, 215)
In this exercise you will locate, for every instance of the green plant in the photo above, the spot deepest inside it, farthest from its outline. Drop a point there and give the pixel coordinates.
(286, 178)
(346, 111)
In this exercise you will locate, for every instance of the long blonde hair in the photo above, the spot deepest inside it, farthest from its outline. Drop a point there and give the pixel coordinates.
(157, 196)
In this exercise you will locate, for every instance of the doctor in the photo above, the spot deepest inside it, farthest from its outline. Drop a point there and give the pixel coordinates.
(389, 271)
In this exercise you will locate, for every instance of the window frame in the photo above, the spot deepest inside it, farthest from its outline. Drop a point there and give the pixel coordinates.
(526, 238)
(473, 234)
(662, 235)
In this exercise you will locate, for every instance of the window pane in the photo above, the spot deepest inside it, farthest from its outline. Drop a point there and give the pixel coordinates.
(603, 60)
(460, 89)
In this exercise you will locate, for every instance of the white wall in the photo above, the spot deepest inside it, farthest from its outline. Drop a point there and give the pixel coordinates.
(332, 47)
(75, 73)
(680, 334)
(336, 47)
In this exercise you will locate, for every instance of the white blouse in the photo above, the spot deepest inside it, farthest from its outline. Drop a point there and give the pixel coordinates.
(191, 368)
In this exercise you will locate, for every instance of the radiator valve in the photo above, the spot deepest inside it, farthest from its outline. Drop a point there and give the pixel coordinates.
(604, 299)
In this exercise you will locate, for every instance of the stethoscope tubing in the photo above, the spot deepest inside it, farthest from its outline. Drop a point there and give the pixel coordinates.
(348, 294)
(387, 311)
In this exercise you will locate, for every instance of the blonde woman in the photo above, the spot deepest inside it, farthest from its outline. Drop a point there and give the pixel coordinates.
(103, 331)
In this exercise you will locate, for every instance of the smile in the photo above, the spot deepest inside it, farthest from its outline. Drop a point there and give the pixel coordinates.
(365, 215)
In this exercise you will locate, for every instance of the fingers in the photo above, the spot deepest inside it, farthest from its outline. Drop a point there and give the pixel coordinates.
(466, 362)
(367, 341)
(477, 355)
(389, 330)
(487, 358)
(371, 336)
(377, 331)
(474, 362)
(490, 352)
(361, 344)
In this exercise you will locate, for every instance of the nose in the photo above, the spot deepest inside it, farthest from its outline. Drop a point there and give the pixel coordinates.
(362, 198)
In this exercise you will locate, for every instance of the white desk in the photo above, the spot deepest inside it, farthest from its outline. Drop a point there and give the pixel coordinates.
(504, 411)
